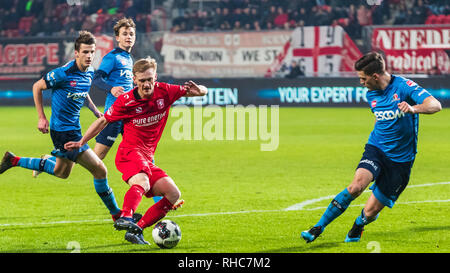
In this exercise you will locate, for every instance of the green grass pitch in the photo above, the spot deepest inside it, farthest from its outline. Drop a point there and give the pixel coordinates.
(236, 195)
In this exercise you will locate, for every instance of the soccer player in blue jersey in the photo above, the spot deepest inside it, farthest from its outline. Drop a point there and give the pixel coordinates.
(391, 149)
(115, 77)
(70, 86)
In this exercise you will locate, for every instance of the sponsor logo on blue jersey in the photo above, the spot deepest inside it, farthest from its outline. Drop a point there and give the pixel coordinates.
(126, 73)
(76, 96)
(388, 115)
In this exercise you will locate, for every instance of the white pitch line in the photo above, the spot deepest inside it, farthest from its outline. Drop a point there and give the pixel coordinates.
(56, 222)
(299, 206)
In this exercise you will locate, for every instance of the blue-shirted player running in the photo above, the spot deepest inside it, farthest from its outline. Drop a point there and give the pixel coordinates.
(70, 86)
(115, 77)
(391, 149)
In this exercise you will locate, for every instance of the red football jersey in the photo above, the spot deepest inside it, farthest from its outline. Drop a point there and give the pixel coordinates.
(144, 119)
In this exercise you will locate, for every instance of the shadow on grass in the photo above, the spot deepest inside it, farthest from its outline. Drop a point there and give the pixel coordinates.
(49, 226)
(417, 229)
(304, 248)
(56, 216)
(127, 248)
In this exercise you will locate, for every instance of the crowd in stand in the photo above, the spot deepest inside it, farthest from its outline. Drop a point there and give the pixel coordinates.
(268, 14)
(20, 18)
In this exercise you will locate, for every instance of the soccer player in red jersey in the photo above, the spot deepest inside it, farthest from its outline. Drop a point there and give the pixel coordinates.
(144, 112)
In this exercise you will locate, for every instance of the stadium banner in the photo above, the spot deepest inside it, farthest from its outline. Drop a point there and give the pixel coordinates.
(416, 50)
(221, 55)
(319, 50)
(31, 58)
(305, 92)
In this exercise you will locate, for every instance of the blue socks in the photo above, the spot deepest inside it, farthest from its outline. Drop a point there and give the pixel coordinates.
(157, 198)
(38, 164)
(106, 194)
(362, 220)
(339, 204)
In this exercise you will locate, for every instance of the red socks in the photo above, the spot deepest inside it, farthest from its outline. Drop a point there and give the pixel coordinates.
(155, 213)
(15, 161)
(132, 200)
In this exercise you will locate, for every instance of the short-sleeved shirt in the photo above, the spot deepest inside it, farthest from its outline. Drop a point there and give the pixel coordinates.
(70, 87)
(144, 119)
(395, 132)
(118, 66)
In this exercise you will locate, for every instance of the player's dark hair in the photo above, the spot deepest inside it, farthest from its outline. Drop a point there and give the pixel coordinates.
(84, 37)
(124, 22)
(370, 63)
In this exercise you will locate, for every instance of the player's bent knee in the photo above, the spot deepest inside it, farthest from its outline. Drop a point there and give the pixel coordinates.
(100, 171)
(173, 195)
(358, 186)
(140, 179)
(355, 189)
(64, 174)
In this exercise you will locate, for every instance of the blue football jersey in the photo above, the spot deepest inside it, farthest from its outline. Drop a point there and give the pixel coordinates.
(118, 67)
(70, 87)
(395, 132)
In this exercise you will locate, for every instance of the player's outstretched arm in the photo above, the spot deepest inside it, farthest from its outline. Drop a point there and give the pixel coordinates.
(429, 106)
(194, 90)
(93, 130)
(92, 107)
(38, 87)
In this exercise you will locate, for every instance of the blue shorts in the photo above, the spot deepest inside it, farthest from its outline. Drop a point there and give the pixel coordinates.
(109, 134)
(390, 177)
(61, 138)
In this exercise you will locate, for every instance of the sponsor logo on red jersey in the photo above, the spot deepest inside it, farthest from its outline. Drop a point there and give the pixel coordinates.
(149, 120)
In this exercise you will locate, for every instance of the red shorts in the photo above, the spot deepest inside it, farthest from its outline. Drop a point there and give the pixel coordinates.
(131, 162)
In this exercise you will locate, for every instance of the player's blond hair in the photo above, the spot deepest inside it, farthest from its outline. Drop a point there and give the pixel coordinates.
(124, 22)
(143, 64)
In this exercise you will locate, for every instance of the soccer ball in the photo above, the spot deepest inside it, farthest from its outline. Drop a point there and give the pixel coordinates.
(166, 234)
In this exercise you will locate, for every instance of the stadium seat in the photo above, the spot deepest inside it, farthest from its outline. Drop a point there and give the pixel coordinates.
(343, 22)
(441, 19)
(101, 18)
(25, 24)
(431, 20)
